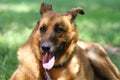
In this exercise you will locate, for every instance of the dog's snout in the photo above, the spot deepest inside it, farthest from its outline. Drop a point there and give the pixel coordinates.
(45, 47)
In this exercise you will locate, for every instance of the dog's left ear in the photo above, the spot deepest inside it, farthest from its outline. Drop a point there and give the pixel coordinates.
(73, 13)
(45, 8)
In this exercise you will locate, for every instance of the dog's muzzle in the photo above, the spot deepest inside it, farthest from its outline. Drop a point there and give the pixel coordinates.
(46, 47)
(48, 59)
(50, 52)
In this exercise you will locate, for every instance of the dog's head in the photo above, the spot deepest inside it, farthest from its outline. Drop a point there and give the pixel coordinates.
(55, 35)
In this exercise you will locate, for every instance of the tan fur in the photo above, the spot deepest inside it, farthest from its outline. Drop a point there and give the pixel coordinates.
(86, 61)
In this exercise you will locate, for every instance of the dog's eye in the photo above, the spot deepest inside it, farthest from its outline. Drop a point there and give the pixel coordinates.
(43, 29)
(58, 28)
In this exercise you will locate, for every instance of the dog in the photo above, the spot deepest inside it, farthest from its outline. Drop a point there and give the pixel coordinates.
(54, 52)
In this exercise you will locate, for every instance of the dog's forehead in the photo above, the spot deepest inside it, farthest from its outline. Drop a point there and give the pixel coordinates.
(53, 18)
(50, 17)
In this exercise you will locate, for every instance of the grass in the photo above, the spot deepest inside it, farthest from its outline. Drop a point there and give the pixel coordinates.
(17, 18)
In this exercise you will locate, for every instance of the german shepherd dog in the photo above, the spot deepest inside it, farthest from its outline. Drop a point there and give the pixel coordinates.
(54, 52)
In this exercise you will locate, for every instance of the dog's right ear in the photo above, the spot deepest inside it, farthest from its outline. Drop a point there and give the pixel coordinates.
(45, 8)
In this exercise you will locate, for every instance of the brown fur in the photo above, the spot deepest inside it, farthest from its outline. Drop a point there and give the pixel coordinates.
(84, 61)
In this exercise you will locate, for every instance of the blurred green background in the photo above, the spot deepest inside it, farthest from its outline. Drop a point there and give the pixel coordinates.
(101, 24)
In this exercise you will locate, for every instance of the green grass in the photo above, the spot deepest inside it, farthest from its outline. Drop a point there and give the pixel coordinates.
(101, 23)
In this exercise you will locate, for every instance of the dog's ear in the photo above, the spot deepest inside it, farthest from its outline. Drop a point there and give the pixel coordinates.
(45, 8)
(73, 13)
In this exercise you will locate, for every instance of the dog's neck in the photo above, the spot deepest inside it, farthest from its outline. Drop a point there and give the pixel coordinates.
(46, 73)
(64, 63)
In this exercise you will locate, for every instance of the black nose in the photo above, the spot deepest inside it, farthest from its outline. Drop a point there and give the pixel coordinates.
(45, 47)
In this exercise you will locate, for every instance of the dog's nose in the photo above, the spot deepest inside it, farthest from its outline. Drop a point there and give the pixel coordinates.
(45, 47)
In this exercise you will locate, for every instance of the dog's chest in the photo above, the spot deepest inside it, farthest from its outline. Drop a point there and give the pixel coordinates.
(70, 72)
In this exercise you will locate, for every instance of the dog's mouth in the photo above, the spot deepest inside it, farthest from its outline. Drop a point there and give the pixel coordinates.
(49, 57)
(48, 61)
(51, 53)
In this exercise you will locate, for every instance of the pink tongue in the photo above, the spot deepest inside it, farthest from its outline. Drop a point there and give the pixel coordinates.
(48, 61)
